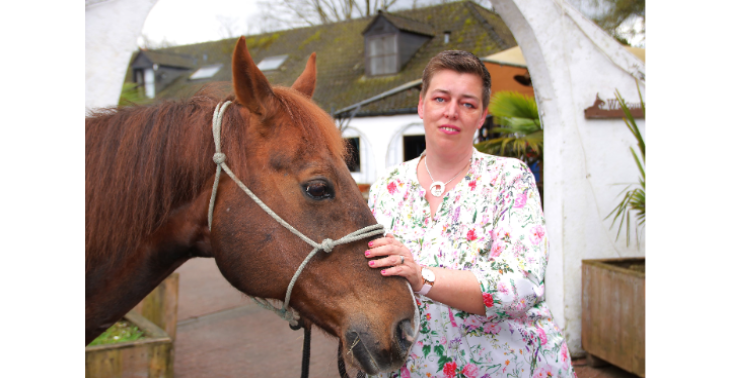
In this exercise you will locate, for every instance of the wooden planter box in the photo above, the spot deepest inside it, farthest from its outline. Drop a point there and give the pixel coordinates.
(160, 306)
(149, 357)
(614, 313)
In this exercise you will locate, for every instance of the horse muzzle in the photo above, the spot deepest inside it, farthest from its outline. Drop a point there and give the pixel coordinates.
(377, 354)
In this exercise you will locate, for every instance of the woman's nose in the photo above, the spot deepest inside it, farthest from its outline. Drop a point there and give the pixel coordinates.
(452, 110)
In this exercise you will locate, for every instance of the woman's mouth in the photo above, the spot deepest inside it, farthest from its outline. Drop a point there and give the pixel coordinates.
(449, 129)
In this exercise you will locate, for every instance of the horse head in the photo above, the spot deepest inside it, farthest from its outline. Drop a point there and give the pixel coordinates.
(292, 159)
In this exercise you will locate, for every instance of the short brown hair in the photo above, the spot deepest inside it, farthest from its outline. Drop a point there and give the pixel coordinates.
(461, 62)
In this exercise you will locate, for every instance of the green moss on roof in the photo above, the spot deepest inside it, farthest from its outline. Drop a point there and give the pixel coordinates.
(341, 79)
(263, 42)
(314, 37)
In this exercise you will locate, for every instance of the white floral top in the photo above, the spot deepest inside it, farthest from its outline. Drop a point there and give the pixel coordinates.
(491, 224)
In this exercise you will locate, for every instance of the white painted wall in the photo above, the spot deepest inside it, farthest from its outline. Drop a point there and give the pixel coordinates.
(112, 28)
(381, 142)
(570, 60)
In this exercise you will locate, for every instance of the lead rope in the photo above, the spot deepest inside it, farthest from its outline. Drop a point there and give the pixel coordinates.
(327, 244)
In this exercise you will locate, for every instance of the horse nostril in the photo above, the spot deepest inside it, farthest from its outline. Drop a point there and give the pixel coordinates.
(404, 333)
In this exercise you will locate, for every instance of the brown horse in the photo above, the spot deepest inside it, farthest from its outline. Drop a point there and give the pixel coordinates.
(149, 177)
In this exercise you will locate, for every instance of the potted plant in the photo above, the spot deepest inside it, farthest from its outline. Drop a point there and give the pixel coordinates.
(613, 302)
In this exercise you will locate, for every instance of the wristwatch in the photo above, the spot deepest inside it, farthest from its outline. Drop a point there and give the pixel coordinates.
(429, 279)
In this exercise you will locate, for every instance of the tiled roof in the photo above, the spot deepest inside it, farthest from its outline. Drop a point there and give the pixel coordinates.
(171, 60)
(341, 79)
(407, 24)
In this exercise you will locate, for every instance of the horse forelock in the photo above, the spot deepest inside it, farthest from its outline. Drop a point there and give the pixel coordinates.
(317, 127)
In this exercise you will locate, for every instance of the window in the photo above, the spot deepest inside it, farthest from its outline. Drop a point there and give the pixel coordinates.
(382, 55)
(272, 63)
(353, 154)
(413, 146)
(206, 72)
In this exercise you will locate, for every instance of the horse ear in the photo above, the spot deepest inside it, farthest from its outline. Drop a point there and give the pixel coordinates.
(308, 79)
(252, 89)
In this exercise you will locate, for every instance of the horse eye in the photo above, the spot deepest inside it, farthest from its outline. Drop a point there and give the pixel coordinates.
(318, 190)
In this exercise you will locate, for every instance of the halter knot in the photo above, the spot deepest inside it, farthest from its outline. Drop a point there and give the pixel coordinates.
(219, 158)
(328, 245)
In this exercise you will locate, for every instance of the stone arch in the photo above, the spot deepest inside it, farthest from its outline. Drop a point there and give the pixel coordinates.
(570, 60)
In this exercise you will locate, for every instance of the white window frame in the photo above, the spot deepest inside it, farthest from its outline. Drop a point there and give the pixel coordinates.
(369, 57)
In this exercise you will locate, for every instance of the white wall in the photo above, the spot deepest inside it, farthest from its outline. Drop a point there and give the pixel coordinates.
(381, 142)
(570, 60)
(112, 28)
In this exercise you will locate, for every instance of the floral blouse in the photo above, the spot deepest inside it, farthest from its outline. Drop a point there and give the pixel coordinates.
(491, 224)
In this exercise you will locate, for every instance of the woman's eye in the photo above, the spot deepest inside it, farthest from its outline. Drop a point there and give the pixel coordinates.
(317, 190)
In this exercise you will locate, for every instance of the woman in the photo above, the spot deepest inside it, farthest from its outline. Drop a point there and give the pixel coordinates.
(468, 233)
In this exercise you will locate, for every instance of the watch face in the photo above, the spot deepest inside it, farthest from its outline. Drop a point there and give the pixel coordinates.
(428, 274)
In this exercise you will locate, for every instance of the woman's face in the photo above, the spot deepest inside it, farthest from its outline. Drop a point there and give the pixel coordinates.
(452, 111)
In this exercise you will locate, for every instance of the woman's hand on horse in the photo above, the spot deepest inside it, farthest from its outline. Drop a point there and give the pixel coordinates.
(394, 252)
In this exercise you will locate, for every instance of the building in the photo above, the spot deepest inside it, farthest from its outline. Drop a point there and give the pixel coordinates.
(368, 71)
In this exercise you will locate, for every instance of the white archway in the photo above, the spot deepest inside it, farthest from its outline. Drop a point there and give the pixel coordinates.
(395, 146)
(112, 28)
(570, 59)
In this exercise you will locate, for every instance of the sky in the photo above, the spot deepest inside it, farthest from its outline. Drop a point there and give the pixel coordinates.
(183, 22)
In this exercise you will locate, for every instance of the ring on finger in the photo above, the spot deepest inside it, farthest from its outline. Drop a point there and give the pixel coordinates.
(402, 259)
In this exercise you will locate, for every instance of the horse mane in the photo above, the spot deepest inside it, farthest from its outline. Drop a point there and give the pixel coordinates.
(142, 162)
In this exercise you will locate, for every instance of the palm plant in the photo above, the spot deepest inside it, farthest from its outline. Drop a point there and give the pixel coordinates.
(634, 200)
(520, 132)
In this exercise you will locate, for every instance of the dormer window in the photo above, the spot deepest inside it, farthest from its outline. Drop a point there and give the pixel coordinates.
(272, 63)
(206, 72)
(382, 55)
(154, 70)
(391, 41)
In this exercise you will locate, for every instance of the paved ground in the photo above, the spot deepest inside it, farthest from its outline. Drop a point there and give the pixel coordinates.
(222, 333)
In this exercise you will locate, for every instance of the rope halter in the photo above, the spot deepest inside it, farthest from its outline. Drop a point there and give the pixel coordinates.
(327, 245)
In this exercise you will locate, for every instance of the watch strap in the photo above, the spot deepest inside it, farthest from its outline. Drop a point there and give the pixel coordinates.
(424, 289)
(427, 285)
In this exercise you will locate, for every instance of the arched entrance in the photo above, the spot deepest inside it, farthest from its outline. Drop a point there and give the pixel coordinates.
(570, 60)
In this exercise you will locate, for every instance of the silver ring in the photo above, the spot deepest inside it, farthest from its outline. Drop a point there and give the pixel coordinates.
(402, 259)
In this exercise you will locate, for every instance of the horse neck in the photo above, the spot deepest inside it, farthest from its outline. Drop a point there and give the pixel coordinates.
(122, 269)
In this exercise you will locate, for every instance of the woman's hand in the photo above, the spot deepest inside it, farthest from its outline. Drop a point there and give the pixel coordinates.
(397, 257)
(456, 288)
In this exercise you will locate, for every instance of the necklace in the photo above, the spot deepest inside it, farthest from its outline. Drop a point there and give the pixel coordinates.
(437, 188)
